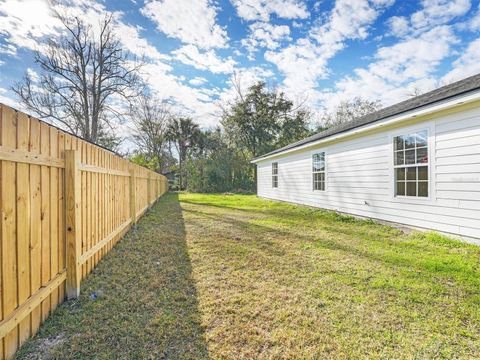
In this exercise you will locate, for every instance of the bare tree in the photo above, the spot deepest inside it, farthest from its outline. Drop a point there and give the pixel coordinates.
(347, 111)
(151, 119)
(416, 91)
(85, 80)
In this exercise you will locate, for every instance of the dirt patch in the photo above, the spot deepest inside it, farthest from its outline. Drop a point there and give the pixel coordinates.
(46, 347)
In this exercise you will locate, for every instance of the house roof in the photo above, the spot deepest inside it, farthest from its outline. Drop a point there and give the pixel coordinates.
(445, 92)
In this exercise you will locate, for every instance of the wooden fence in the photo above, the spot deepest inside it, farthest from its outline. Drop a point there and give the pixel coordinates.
(64, 204)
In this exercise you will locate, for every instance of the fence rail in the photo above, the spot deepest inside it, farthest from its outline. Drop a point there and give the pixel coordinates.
(64, 204)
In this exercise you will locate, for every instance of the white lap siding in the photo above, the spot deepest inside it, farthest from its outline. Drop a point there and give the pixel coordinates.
(360, 177)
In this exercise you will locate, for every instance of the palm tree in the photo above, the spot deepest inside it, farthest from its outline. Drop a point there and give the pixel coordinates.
(182, 132)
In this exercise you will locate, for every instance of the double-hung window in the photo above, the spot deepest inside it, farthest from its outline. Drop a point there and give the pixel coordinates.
(275, 175)
(411, 164)
(318, 171)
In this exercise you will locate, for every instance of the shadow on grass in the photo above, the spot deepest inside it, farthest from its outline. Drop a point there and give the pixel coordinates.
(381, 245)
(140, 302)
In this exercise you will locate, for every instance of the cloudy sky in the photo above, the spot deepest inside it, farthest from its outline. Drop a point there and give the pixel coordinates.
(319, 51)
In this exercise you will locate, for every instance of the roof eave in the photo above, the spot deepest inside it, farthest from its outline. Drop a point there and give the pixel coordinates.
(428, 109)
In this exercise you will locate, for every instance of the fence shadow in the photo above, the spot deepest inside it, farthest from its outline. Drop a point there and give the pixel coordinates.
(139, 303)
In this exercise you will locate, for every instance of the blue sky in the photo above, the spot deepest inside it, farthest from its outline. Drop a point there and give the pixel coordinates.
(318, 52)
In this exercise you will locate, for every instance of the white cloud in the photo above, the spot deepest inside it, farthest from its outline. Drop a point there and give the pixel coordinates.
(191, 21)
(6, 99)
(213, 92)
(28, 24)
(474, 23)
(436, 12)
(398, 71)
(467, 64)
(197, 81)
(23, 23)
(306, 61)
(415, 57)
(399, 25)
(425, 40)
(302, 65)
(348, 20)
(206, 60)
(407, 67)
(8, 49)
(132, 40)
(433, 13)
(129, 35)
(186, 100)
(252, 10)
(33, 74)
(297, 24)
(266, 35)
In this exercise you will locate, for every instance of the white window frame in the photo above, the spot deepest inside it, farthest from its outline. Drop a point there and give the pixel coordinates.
(312, 177)
(274, 175)
(430, 128)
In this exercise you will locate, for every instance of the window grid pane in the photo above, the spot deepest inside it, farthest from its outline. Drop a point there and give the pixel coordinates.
(274, 168)
(274, 174)
(411, 150)
(274, 181)
(318, 171)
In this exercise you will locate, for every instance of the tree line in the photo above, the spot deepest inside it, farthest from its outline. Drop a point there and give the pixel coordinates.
(88, 84)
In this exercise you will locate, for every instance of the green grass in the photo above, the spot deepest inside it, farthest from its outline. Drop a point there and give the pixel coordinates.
(237, 277)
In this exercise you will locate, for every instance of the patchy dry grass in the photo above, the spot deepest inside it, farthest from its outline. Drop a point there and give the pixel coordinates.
(139, 303)
(238, 277)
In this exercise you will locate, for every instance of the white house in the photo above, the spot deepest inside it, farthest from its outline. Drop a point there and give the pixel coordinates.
(415, 163)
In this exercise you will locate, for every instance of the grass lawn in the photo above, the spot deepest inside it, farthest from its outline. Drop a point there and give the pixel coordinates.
(237, 277)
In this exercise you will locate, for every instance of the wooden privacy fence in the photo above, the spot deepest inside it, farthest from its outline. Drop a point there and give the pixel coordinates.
(64, 204)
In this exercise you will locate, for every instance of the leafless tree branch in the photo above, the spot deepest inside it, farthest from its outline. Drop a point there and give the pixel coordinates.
(83, 77)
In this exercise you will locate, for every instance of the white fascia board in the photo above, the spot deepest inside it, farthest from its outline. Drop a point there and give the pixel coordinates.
(408, 115)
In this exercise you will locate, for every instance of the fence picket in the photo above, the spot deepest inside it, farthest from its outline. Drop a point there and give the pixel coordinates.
(9, 228)
(23, 224)
(45, 215)
(35, 221)
(40, 229)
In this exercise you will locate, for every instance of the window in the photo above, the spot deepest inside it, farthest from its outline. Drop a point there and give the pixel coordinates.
(411, 164)
(318, 171)
(275, 175)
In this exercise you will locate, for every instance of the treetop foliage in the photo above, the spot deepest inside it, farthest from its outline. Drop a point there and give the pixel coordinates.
(264, 119)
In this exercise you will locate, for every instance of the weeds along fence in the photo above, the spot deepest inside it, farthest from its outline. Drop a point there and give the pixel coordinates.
(64, 204)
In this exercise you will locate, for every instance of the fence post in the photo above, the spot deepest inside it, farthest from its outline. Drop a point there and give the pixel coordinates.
(133, 197)
(149, 191)
(73, 222)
